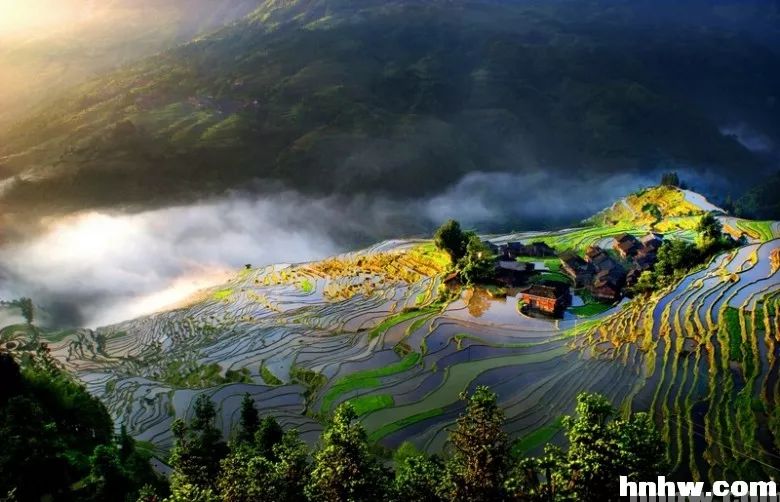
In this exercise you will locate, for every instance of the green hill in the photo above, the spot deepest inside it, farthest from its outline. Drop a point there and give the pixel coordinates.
(397, 98)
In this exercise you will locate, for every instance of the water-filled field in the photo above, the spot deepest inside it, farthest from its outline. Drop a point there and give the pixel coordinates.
(371, 327)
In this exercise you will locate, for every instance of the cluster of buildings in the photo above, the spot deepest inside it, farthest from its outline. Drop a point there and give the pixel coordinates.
(513, 250)
(510, 272)
(604, 276)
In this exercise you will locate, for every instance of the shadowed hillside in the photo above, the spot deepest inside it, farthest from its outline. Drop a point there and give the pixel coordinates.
(401, 98)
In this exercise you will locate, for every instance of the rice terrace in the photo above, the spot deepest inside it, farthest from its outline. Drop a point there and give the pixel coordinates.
(386, 329)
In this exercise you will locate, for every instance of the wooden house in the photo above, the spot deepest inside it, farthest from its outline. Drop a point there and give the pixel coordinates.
(626, 245)
(580, 271)
(513, 273)
(550, 298)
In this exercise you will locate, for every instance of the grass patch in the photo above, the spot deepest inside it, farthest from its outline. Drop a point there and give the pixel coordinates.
(536, 438)
(396, 319)
(306, 286)
(268, 377)
(582, 327)
(552, 263)
(429, 252)
(58, 336)
(364, 405)
(734, 331)
(367, 379)
(590, 309)
(310, 379)
(223, 294)
(403, 349)
(760, 230)
(192, 375)
(496, 291)
(404, 422)
(551, 276)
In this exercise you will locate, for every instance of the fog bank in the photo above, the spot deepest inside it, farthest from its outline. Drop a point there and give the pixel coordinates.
(96, 268)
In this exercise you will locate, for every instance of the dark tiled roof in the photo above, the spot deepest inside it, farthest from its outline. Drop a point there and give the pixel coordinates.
(625, 238)
(552, 291)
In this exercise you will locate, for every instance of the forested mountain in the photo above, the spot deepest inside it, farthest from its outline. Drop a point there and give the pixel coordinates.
(403, 98)
(82, 40)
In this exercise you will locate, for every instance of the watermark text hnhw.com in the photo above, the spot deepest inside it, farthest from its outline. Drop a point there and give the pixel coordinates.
(661, 489)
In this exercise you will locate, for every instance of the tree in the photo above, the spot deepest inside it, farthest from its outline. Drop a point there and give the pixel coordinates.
(533, 479)
(450, 238)
(245, 477)
(27, 308)
(344, 469)
(478, 466)
(108, 480)
(602, 449)
(675, 256)
(593, 458)
(10, 376)
(249, 422)
(642, 450)
(419, 478)
(269, 433)
(50, 424)
(710, 231)
(478, 264)
(136, 465)
(292, 469)
(186, 492)
(670, 179)
(199, 448)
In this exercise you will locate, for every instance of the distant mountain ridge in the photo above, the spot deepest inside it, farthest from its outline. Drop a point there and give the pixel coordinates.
(399, 99)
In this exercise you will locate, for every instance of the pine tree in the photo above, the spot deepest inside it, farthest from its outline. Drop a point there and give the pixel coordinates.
(292, 468)
(269, 433)
(199, 448)
(481, 450)
(344, 469)
(419, 478)
(250, 420)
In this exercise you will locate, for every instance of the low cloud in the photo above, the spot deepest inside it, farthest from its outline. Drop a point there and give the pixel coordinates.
(96, 268)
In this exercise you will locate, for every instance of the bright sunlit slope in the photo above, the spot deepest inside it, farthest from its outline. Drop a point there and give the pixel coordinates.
(49, 45)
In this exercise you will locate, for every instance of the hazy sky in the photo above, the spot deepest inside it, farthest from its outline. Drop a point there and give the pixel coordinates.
(20, 17)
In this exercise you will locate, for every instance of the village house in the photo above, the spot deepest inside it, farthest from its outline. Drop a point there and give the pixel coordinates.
(610, 276)
(513, 250)
(579, 270)
(626, 245)
(605, 289)
(539, 249)
(510, 250)
(513, 273)
(651, 241)
(550, 298)
(645, 257)
(492, 247)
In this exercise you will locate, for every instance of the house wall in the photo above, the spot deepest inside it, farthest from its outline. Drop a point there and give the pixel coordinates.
(541, 303)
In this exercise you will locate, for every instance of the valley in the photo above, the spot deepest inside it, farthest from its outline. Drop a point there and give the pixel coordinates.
(378, 328)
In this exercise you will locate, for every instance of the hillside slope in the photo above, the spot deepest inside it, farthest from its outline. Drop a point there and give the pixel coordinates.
(395, 98)
(97, 37)
(372, 327)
